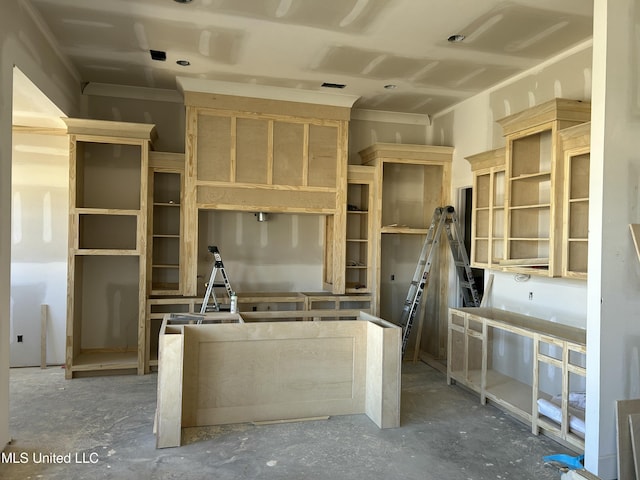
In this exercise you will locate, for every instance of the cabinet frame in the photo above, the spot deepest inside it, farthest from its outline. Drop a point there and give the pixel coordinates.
(80, 360)
(362, 220)
(521, 400)
(489, 165)
(429, 159)
(576, 144)
(171, 164)
(249, 128)
(523, 180)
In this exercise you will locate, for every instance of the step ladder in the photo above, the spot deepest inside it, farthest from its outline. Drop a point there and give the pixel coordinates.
(210, 301)
(443, 217)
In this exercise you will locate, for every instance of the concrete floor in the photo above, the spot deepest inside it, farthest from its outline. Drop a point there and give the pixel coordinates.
(445, 435)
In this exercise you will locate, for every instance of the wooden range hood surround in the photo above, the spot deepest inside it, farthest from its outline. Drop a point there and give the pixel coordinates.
(265, 149)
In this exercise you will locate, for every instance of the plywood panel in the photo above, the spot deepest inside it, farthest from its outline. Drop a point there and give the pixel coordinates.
(384, 361)
(169, 424)
(267, 371)
(214, 145)
(323, 152)
(288, 153)
(251, 150)
(252, 199)
(108, 176)
(624, 408)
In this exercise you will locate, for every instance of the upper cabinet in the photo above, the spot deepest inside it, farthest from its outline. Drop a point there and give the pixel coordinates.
(576, 145)
(487, 236)
(534, 185)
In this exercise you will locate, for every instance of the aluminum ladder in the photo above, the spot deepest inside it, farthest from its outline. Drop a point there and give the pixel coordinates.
(443, 217)
(210, 295)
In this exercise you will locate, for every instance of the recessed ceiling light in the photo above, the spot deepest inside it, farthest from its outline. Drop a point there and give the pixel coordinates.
(458, 37)
(183, 63)
(390, 86)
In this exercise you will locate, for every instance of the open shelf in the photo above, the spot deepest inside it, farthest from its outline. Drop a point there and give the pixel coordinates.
(107, 263)
(105, 360)
(513, 360)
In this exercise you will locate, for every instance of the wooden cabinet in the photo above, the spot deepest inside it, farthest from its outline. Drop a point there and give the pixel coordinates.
(291, 305)
(258, 154)
(360, 243)
(530, 367)
(165, 222)
(534, 184)
(488, 212)
(576, 147)
(411, 182)
(107, 270)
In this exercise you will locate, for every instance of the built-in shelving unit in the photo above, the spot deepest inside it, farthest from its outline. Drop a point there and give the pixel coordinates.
(488, 213)
(576, 145)
(165, 222)
(107, 270)
(359, 238)
(411, 182)
(534, 185)
(536, 382)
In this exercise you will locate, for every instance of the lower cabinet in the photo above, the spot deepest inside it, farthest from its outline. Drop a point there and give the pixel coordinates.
(532, 368)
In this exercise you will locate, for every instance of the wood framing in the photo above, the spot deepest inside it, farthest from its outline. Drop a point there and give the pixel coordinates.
(488, 214)
(256, 306)
(535, 181)
(107, 270)
(472, 362)
(257, 154)
(411, 181)
(360, 252)
(229, 370)
(576, 147)
(165, 223)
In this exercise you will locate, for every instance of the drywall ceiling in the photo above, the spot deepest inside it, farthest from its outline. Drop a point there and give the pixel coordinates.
(365, 44)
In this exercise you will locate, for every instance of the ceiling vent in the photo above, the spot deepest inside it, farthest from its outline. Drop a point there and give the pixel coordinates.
(333, 85)
(159, 55)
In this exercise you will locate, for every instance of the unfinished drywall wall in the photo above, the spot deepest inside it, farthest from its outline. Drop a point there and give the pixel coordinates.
(282, 254)
(613, 318)
(368, 127)
(21, 44)
(40, 202)
(163, 108)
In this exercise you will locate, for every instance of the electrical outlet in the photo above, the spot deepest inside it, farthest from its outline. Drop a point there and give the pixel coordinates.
(19, 338)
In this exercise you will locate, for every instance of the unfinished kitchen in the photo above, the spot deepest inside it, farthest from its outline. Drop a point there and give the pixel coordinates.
(303, 188)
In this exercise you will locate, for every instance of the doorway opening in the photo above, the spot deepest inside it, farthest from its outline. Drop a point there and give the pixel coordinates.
(39, 231)
(465, 214)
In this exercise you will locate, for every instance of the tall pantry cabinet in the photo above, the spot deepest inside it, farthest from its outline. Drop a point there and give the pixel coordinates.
(107, 261)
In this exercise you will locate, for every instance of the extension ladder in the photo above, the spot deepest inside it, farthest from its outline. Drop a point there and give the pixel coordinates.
(442, 217)
(210, 294)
